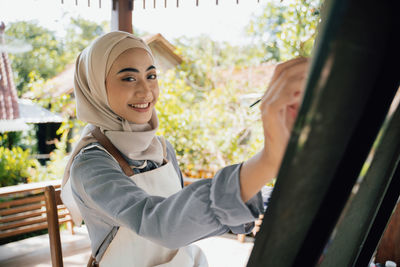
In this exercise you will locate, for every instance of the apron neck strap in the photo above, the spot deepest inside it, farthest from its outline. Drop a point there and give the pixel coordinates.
(164, 146)
(106, 143)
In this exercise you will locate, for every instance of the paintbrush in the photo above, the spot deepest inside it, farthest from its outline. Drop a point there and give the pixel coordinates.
(255, 103)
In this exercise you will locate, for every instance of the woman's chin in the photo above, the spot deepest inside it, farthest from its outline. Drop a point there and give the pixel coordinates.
(142, 119)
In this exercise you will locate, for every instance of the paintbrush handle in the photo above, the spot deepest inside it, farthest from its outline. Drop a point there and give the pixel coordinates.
(255, 103)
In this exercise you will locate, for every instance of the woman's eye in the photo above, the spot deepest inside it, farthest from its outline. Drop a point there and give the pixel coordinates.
(129, 79)
(152, 76)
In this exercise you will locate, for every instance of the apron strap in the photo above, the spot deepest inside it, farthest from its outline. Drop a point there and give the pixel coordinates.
(106, 143)
(92, 262)
(164, 146)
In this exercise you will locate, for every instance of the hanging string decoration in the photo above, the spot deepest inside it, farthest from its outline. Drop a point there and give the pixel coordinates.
(132, 3)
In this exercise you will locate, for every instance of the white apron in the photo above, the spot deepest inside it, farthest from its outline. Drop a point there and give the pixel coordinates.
(129, 249)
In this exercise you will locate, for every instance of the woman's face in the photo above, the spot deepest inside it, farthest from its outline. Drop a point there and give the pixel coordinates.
(132, 86)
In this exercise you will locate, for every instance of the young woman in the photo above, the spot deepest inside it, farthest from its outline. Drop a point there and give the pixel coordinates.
(124, 181)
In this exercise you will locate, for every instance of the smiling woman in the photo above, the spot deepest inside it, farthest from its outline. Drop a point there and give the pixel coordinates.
(125, 181)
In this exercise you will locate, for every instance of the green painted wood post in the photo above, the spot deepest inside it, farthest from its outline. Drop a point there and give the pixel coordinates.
(352, 230)
(352, 83)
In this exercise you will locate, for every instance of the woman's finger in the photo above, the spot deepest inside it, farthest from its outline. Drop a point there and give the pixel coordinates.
(288, 64)
(289, 74)
(286, 90)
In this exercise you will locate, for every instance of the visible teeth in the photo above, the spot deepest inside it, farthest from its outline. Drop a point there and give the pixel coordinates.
(139, 105)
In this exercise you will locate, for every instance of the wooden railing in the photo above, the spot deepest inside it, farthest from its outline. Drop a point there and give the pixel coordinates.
(23, 210)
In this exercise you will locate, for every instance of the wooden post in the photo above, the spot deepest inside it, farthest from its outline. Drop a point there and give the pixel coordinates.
(121, 15)
(389, 247)
(54, 231)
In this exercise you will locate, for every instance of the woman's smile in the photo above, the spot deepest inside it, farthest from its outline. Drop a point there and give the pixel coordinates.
(144, 107)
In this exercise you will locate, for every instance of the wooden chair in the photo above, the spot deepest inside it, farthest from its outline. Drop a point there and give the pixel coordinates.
(22, 211)
(257, 225)
(32, 207)
(53, 200)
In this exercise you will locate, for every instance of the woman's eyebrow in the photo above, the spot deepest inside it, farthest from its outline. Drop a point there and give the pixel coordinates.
(135, 70)
(151, 67)
(128, 70)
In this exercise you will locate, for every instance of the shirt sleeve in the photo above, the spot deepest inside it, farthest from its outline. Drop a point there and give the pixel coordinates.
(204, 208)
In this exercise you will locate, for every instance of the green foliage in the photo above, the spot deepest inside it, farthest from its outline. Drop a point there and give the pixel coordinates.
(9, 139)
(16, 166)
(209, 125)
(208, 121)
(54, 168)
(202, 55)
(50, 54)
(286, 29)
(32, 70)
(80, 33)
(46, 57)
(25, 139)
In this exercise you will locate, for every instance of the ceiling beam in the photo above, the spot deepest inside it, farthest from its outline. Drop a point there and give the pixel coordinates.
(121, 15)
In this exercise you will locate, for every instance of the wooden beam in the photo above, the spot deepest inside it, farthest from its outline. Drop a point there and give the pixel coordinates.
(121, 16)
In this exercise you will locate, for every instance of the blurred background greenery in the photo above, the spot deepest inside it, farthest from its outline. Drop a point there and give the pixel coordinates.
(204, 102)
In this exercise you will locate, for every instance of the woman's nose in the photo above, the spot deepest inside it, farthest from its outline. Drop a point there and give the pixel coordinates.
(143, 90)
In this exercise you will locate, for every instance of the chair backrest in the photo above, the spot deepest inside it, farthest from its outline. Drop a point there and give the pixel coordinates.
(53, 199)
(22, 211)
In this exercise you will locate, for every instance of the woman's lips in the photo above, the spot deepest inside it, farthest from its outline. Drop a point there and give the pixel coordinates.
(143, 107)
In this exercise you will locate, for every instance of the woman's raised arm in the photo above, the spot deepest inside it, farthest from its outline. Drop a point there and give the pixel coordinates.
(279, 107)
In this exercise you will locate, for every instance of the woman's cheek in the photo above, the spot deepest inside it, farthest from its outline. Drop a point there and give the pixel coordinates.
(156, 92)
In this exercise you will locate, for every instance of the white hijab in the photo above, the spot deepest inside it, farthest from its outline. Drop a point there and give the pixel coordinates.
(136, 141)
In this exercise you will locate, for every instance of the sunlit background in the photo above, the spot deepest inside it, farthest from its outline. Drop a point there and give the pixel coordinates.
(223, 22)
(216, 60)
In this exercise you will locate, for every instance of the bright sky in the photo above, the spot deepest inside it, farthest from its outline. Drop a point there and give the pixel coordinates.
(223, 22)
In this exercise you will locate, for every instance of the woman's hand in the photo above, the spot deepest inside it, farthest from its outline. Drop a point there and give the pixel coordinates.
(279, 107)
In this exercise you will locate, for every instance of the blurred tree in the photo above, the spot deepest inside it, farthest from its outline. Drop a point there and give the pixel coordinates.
(50, 54)
(47, 57)
(286, 29)
(16, 166)
(208, 124)
(80, 33)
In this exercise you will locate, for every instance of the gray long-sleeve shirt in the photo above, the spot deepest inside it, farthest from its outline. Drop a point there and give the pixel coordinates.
(108, 199)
